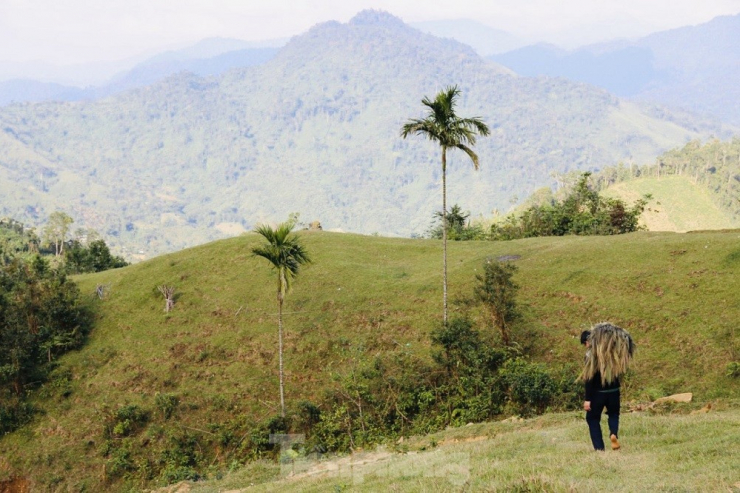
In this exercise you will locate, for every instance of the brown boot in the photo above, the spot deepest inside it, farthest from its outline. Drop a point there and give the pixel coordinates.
(615, 442)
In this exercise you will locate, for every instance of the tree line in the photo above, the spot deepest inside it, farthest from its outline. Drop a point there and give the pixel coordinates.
(76, 252)
(714, 165)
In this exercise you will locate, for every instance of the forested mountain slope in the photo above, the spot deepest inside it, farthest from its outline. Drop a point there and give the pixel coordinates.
(315, 130)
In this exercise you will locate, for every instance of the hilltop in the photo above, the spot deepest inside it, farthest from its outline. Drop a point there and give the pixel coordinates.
(211, 363)
(313, 130)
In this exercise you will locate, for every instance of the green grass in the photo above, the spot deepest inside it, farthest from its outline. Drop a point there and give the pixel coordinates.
(678, 204)
(678, 294)
(675, 452)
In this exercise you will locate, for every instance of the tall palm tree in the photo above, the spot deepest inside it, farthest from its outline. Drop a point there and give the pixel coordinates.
(450, 131)
(286, 254)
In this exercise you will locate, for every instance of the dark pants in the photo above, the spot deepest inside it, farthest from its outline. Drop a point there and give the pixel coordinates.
(600, 400)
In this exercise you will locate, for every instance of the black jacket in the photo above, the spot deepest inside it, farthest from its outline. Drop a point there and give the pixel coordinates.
(594, 385)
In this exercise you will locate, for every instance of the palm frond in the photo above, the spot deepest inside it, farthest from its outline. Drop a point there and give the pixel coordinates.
(284, 251)
(443, 126)
(473, 156)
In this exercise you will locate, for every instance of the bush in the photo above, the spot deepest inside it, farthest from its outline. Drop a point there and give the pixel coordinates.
(167, 404)
(471, 390)
(529, 387)
(14, 413)
(126, 421)
(582, 212)
(96, 257)
(41, 317)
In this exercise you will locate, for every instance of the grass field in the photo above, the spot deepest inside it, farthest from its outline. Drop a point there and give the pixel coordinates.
(660, 452)
(677, 205)
(678, 294)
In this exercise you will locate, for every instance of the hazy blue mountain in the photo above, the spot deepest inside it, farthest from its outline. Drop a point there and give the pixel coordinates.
(210, 56)
(696, 67)
(164, 66)
(314, 130)
(213, 47)
(76, 75)
(484, 39)
(21, 90)
(624, 72)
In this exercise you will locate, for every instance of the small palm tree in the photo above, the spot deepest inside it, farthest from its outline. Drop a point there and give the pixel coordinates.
(287, 255)
(450, 131)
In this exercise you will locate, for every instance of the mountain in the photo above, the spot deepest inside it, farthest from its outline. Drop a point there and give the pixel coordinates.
(165, 65)
(314, 130)
(483, 39)
(696, 68)
(211, 56)
(76, 75)
(624, 71)
(24, 90)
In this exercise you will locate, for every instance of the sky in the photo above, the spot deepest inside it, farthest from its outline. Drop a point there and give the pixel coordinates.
(66, 32)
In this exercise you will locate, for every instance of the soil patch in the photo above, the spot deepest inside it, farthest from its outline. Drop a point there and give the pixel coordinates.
(15, 485)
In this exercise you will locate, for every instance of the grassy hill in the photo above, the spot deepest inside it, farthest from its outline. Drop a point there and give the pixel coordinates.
(314, 130)
(678, 204)
(212, 365)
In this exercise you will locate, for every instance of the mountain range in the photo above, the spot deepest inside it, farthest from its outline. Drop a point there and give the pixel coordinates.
(695, 67)
(313, 130)
(211, 56)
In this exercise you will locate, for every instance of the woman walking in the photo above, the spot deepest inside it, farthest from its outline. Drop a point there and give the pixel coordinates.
(610, 349)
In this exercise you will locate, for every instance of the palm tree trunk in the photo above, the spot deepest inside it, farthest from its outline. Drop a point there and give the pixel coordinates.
(444, 234)
(280, 353)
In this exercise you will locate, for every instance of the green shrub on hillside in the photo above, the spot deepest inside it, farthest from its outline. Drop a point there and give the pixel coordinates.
(458, 226)
(582, 212)
(95, 257)
(16, 239)
(41, 317)
(530, 388)
(497, 291)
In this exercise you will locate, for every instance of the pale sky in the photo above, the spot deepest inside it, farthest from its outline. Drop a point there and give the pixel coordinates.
(77, 31)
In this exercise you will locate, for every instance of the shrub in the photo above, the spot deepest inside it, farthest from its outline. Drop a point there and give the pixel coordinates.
(125, 421)
(167, 404)
(530, 388)
(582, 212)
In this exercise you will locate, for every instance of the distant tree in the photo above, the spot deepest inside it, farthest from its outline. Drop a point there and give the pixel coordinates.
(442, 125)
(95, 257)
(458, 226)
(497, 290)
(456, 219)
(56, 230)
(16, 239)
(286, 254)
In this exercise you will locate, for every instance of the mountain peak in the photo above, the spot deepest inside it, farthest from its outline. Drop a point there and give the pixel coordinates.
(372, 17)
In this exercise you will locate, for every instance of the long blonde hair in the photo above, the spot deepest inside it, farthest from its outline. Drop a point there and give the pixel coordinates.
(611, 351)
